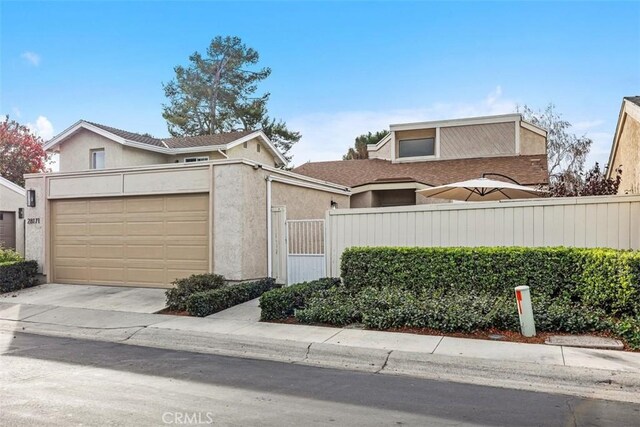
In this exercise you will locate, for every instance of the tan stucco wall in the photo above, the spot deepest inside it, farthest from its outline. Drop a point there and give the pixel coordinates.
(383, 152)
(532, 143)
(75, 153)
(627, 156)
(251, 152)
(305, 203)
(11, 201)
(239, 215)
(360, 200)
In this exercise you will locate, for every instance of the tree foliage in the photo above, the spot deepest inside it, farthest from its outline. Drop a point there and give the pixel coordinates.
(359, 150)
(218, 92)
(566, 152)
(21, 151)
(594, 183)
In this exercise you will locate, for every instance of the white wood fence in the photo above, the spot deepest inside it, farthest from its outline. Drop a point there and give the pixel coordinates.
(604, 221)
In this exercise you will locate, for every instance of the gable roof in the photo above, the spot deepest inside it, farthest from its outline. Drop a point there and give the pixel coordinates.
(173, 145)
(630, 107)
(527, 170)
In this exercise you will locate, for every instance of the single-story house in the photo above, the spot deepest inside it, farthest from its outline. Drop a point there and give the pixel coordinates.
(625, 151)
(413, 156)
(132, 210)
(12, 204)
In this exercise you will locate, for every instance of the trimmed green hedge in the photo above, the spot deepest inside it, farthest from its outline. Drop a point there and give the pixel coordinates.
(184, 288)
(281, 303)
(15, 275)
(605, 279)
(212, 301)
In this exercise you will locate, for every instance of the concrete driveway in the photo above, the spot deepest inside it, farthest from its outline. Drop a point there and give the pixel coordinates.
(113, 298)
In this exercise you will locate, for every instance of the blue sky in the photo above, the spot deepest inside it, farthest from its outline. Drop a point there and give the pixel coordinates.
(339, 68)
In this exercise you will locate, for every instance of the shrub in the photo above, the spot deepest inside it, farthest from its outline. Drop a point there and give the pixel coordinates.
(281, 303)
(9, 256)
(629, 330)
(184, 288)
(15, 275)
(333, 305)
(596, 278)
(208, 302)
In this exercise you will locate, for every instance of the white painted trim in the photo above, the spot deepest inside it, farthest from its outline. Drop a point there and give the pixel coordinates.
(437, 143)
(457, 122)
(258, 134)
(306, 185)
(533, 128)
(196, 159)
(393, 144)
(627, 108)
(269, 226)
(517, 139)
(12, 186)
(318, 184)
(389, 186)
(380, 143)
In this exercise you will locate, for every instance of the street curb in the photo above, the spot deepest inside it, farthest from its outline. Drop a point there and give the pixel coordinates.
(575, 381)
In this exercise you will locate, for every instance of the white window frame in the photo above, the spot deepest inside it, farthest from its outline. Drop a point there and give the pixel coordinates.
(196, 159)
(92, 159)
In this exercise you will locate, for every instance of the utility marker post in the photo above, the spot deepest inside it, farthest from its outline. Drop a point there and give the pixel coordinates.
(525, 311)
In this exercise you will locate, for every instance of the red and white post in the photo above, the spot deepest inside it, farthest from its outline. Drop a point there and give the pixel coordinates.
(525, 311)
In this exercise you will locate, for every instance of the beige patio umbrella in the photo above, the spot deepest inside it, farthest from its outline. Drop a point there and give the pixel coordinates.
(481, 189)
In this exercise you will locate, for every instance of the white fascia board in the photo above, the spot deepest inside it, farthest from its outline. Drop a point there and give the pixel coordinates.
(379, 144)
(533, 128)
(410, 185)
(301, 183)
(627, 108)
(12, 186)
(503, 118)
(81, 124)
(258, 134)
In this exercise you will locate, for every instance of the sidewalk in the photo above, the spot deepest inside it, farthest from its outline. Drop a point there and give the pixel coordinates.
(237, 332)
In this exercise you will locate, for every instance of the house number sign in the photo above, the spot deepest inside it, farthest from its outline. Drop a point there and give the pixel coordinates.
(33, 220)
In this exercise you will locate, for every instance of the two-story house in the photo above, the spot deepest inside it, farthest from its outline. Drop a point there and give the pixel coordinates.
(414, 156)
(625, 151)
(86, 145)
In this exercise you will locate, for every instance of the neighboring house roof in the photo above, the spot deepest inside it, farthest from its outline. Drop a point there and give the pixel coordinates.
(175, 145)
(12, 186)
(527, 170)
(630, 107)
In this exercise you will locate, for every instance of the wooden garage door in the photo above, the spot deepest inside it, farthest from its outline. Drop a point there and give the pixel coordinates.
(130, 241)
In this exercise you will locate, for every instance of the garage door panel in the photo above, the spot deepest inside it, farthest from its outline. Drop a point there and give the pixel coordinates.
(108, 251)
(106, 206)
(181, 253)
(135, 241)
(144, 252)
(187, 228)
(150, 205)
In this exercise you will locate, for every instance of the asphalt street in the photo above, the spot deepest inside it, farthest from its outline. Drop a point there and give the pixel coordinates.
(62, 381)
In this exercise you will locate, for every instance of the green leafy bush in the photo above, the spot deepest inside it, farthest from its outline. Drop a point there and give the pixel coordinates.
(281, 303)
(208, 302)
(605, 279)
(15, 275)
(8, 256)
(184, 288)
(333, 305)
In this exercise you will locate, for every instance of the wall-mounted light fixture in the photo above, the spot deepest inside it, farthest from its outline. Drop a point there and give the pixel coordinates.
(334, 204)
(20, 213)
(31, 198)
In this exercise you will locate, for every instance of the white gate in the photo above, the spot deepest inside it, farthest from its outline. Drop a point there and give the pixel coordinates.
(305, 250)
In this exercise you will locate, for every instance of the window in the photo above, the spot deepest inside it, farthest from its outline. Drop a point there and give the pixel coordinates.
(417, 147)
(258, 147)
(97, 159)
(244, 144)
(196, 159)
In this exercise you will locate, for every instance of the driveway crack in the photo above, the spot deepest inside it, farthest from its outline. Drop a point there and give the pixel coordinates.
(386, 360)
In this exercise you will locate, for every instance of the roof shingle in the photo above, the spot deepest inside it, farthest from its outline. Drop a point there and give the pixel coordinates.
(527, 170)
